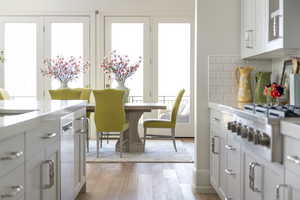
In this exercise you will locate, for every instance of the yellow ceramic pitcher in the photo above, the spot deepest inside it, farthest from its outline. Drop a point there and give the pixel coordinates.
(243, 77)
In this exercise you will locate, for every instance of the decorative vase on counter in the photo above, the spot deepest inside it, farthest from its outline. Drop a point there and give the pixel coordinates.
(121, 86)
(243, 77)
(262, 79)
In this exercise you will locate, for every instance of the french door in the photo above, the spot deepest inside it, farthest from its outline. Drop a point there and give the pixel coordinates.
(166, 48)
(27, 41)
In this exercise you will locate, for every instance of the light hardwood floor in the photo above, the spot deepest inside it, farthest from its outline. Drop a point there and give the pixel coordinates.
(141, 181)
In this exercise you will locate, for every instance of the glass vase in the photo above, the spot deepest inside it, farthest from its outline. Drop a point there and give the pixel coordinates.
(121, 86)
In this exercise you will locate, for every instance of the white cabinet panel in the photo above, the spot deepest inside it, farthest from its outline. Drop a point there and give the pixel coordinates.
(293, 182)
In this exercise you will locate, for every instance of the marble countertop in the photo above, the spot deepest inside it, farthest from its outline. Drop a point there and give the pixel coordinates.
(13, 113)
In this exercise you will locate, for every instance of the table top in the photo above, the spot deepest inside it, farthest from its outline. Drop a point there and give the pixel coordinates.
(135, 107)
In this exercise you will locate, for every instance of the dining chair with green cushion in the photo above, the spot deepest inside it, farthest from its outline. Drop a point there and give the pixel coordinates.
(4, 94)
(110, 114)
(65, 94)
(162, 123)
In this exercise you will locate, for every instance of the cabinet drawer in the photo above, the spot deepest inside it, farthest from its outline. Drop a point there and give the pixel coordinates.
(11, 153)
(12, 185)
(37, 139)
(292, 154)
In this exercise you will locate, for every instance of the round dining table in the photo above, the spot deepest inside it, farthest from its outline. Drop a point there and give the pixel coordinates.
(134, 112)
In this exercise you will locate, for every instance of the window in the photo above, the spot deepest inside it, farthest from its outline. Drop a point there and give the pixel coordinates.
(20, 69)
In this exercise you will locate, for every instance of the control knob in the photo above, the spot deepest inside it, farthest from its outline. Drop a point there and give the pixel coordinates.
(239, 129)
(250, 134)
(229, 126)
(264, 140)
(234, 127)
(244, 132)
(256, 138)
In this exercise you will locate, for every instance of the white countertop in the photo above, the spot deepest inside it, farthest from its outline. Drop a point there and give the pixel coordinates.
(32, 110)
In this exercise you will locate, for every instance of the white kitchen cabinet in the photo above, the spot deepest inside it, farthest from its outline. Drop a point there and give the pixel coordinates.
(292, 187)
(233, 169)
(261, 178)
(269, 28)
(42, 169)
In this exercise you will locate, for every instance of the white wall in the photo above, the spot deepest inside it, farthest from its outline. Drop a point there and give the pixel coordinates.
(218, 33)
(90, 5)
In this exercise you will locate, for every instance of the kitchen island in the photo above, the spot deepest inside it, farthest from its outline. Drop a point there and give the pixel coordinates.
(42, 149)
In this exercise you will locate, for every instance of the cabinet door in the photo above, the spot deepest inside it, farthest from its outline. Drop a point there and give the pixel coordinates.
(233, 169)
(214, 162)
(222, 157)
(273, 176)
(51, 173)
(77, 166)
(293, 182)
(33, 174)
(82, 158)
(248, 27)
(253, 185)
(261, 28)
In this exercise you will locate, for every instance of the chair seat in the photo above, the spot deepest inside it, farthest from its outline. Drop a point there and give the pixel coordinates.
(158, 123)
(124, 128)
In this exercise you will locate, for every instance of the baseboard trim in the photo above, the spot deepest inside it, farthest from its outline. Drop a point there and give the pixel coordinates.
(201, 182)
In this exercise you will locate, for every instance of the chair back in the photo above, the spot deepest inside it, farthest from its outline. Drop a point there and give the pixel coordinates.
(176, 106)
(65, 94)
(85, 93)
(4, 94)
(109, 112)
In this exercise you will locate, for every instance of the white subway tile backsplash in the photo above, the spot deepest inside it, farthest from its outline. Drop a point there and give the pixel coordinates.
(222, 76)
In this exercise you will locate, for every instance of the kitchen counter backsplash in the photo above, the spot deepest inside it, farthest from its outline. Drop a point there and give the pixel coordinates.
(222, 77)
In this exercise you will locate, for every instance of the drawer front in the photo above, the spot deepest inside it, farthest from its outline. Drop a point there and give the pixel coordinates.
(12, 185)
(37, 139)
(293, 182)
(12, 153)
(292, 155)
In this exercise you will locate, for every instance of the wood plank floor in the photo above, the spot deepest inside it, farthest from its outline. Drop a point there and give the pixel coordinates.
(141, 181)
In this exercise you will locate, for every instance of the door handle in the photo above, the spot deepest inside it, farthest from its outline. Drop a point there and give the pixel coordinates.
(229, 172)
(278, 187)
(213, 145)
(254, 165)
(49, 136)
(51, 164)
(15, 190)
(230, 148)
(13, 156)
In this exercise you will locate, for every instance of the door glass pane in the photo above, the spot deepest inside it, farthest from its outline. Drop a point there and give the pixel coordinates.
(128, 39)
(174, 48)
(67, 39)
(20, 70)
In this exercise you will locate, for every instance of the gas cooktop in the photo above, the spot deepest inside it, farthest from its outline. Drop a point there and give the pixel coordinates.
(278, 111)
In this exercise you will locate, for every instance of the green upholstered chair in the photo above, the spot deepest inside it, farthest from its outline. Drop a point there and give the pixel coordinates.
(110, 114)
(65, 94)
(169, 124)
(4, 94)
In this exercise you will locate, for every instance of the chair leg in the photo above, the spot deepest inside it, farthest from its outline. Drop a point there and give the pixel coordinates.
(121, 145)
(145, 135)
(88, 135)
(97, 138)
(101, 138)
(173, 138)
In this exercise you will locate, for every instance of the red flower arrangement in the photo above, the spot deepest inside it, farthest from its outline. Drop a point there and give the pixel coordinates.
(120, 66)
(274, 90)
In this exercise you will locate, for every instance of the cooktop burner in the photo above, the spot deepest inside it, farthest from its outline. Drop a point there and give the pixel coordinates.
(280, 111)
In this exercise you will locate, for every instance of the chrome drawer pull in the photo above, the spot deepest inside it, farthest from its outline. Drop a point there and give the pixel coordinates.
(278, 187)
(81, 131)
(229, 147)
(50, 136)
(15, 191)
(229, 172)
(81, 118)
(13, 156)
(294, 159)
(51, 165)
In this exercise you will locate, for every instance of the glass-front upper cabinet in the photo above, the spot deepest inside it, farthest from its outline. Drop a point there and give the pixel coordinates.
(275, 19)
